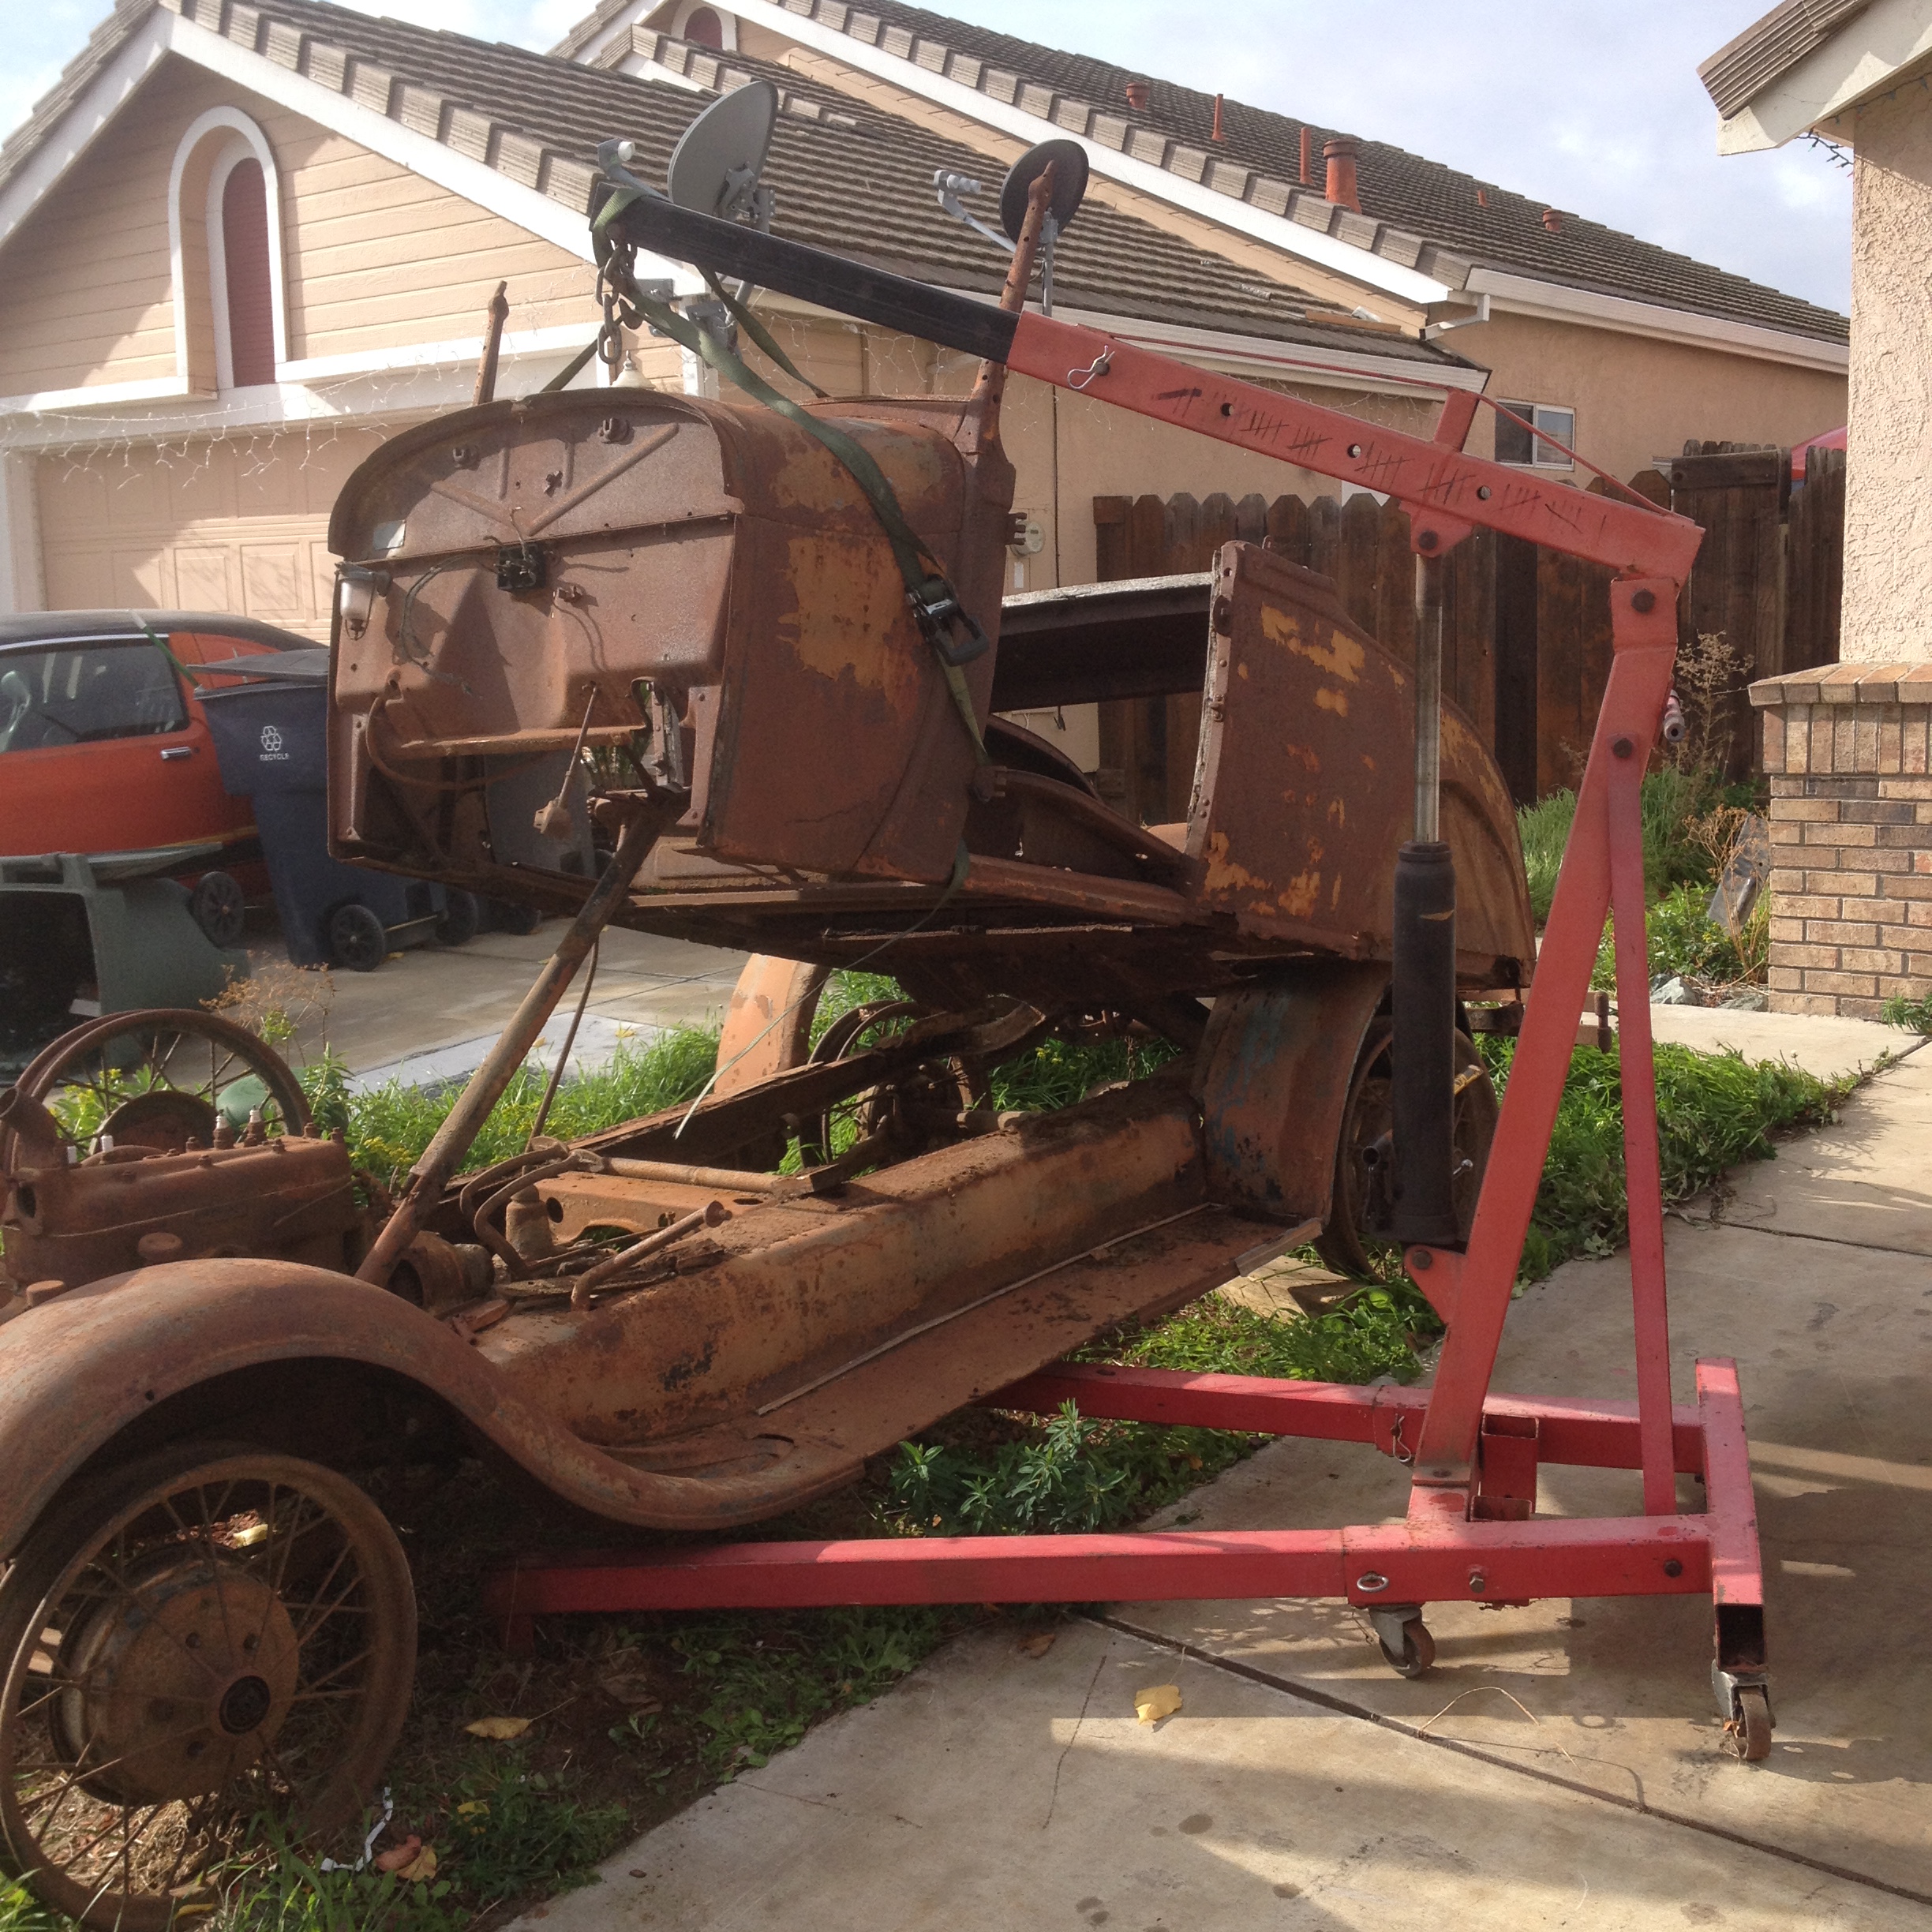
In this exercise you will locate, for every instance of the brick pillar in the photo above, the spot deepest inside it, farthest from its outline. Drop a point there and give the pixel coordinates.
(1845, 750)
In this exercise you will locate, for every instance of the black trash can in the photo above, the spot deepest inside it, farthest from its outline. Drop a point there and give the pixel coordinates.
(270, 735)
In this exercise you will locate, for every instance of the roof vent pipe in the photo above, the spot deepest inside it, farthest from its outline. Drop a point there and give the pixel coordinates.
(1553, 221)
(1340, 156)
(1216, 135)
(1137, 96)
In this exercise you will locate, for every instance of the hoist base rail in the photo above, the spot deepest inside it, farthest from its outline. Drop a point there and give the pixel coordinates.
(1507, 1555)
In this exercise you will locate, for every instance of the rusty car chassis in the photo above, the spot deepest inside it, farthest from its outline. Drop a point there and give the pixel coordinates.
(202, 1615)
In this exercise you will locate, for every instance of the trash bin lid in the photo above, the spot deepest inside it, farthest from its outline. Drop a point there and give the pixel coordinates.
(293, 667)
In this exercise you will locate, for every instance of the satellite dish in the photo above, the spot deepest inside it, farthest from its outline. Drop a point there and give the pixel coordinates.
(1070, 164)
(715, 167)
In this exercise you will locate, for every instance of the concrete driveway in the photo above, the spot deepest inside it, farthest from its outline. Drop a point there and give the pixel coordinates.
(1562, 1764)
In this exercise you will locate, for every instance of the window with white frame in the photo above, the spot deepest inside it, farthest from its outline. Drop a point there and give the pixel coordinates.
(1514, 443)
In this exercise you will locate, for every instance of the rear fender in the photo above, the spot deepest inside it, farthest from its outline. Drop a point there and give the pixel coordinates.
(1274, 1078)
(82, 1370)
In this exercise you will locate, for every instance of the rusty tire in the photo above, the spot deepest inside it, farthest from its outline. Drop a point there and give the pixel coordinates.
(1346, 1239)
(69, 1062)
(1748, 1734)
(205, 1639)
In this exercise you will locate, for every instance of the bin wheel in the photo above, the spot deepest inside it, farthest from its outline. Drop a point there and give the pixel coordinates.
(210, 1637)
(218, 908)
(462, 919)
(358, 938)
(1748, 1734)
(515, 916)
(1418, 1652)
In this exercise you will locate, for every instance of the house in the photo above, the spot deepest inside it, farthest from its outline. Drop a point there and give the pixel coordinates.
(240, 244)
(1845, 750)
(1622, 347)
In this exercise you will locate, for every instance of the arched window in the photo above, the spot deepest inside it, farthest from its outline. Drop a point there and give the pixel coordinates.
(225, 242)
(244, 262)
(706, 27)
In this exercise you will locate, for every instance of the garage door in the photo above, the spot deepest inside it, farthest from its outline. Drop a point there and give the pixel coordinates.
(239, 524)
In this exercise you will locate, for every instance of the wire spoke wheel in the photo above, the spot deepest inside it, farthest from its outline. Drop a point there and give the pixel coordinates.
(205, 1650)
(1363, 1200)
(159, 1078)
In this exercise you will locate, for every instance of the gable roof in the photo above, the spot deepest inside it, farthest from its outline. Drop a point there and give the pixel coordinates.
(850, 178)
(1768, 49)
(1415, 212)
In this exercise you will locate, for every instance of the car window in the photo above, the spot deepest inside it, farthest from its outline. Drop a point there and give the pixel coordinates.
(80, 695)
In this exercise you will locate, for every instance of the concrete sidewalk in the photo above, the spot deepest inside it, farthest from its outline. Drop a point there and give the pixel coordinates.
(431, 1014)
(1562, 1764)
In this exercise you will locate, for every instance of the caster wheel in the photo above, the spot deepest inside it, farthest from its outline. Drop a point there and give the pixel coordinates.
(358, 938)
(216, 906)
(515, 916)
(463, 918)
(1748, 1734)
(1418, 1652)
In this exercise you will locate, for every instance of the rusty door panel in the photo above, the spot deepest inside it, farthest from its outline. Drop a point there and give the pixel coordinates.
(1303, 791)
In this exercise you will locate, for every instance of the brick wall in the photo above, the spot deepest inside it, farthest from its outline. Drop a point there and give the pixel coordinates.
(1846, 750)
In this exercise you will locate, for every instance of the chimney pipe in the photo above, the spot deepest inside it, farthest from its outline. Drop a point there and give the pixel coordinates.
(1137, 96)
(1307, 164)
(1340, 156)
(1216, 135)
(1553, 221)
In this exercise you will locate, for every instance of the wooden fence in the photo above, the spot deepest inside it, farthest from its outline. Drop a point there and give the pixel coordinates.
(1526, 632)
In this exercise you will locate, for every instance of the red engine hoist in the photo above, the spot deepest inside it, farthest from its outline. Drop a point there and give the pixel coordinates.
(1470, 1535)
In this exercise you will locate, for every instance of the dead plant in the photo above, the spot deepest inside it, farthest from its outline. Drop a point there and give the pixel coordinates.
(276, 1000)
(1711, 671)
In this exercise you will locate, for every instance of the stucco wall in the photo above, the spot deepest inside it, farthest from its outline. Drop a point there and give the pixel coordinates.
(1888, 562)
(1636, 397)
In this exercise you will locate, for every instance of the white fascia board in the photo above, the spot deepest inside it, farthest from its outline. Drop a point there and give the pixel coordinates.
(389, 397)
(464, 349)
(97, 395)
(1291, 238)
(1557, 302)
(76, 131)
(1263, 355)
(1859, 60)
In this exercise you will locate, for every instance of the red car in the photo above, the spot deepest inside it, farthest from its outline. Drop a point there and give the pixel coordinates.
(104, 749)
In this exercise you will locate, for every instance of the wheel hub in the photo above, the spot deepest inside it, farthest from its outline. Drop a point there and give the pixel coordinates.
(179, 1683)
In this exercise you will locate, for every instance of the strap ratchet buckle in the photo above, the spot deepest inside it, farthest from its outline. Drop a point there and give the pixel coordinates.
(948, 627)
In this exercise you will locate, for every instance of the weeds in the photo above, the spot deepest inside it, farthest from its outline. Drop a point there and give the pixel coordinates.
(1914, 1015)
(1714, 1112)
(1683, 940)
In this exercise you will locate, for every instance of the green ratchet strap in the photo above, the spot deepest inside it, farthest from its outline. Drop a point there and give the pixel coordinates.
(955, 638)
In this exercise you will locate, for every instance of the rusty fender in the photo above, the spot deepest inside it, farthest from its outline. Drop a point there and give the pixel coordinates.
(76, 1371)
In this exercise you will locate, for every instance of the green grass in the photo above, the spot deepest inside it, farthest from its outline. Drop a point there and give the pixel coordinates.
(1714, 1112)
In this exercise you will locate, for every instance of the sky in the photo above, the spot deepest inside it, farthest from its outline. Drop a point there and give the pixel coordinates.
(1586, 105)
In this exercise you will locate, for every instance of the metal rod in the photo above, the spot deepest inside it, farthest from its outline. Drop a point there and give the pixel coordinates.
(492, 346)
(454, 1139)
(729, 1179)
(711, 1214)
(1429, 643)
